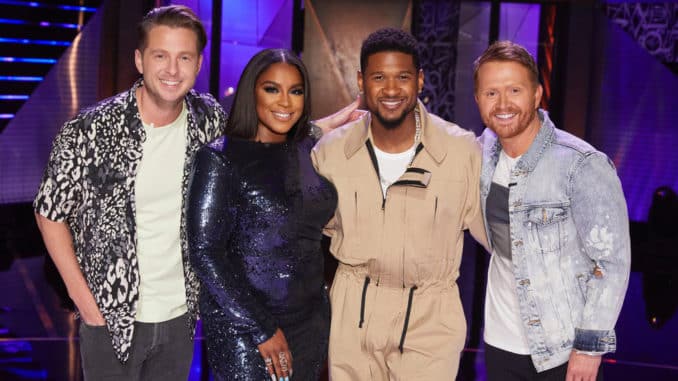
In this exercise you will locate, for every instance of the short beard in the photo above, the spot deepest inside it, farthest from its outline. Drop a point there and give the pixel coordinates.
(394, 123)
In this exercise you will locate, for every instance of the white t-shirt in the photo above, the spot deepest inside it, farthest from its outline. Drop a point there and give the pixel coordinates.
(503, 325)
(392, 165)
(162, 294)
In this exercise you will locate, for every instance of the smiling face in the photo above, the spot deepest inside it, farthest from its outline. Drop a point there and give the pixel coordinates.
(508, 99)
(279, 93)
(390, 83)
(169, 64)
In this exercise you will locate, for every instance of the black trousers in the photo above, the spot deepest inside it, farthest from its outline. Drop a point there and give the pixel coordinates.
(160, 352)
(501, 365)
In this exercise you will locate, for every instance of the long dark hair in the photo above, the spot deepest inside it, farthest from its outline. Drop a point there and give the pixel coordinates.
(243, 121)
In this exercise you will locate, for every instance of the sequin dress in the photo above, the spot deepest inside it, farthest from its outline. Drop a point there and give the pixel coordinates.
(255, 214)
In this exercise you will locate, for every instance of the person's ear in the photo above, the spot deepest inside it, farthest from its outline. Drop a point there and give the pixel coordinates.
(139, 61)
(360, 82)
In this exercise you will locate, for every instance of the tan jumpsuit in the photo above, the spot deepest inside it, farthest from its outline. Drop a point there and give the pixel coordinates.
(396, 311)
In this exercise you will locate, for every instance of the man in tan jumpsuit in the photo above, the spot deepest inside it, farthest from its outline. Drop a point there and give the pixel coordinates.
(408, 188)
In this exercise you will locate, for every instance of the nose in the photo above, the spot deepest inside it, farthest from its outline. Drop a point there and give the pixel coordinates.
(391, 87)
(173, 66)
(284, 99)
(502, 100)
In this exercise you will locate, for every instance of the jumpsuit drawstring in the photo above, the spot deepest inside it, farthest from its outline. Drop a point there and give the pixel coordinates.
(362, 302)
(407, 318)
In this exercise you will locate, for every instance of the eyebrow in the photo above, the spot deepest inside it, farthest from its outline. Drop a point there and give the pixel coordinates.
(268, 82)
(383, 72)
(188, 52)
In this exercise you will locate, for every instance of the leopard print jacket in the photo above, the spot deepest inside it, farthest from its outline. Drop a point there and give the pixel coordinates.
(89, 184)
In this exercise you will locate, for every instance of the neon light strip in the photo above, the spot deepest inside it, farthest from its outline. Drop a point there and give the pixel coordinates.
(19, 78)
(41, 23)
(25, 41)
(6, 116)
(28, 60)
(11, 97)
(34, 4)
(10, 21)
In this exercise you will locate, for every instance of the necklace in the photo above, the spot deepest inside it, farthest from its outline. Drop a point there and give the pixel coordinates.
(386, 183)
(417, 128)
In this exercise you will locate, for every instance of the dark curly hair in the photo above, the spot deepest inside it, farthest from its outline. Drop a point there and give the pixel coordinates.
(389, 40)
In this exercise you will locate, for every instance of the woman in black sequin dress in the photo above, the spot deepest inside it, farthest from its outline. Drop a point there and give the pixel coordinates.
(255, 213)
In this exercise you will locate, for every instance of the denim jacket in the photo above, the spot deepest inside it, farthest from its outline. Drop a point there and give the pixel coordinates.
(570, 242)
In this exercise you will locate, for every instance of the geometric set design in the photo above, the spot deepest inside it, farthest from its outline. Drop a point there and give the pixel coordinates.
(653, 25)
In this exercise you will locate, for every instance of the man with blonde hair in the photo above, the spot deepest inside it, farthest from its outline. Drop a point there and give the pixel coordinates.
(558, 227)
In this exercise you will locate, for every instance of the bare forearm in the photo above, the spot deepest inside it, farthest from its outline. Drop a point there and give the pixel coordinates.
(59, 243)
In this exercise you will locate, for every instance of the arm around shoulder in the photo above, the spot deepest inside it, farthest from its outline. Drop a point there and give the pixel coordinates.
(474, 220)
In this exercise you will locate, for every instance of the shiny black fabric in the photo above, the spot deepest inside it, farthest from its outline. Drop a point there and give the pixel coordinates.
(255, 214)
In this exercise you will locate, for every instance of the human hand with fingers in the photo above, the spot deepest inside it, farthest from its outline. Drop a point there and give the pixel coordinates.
(349, 113)
(277, 356)
(582, 367)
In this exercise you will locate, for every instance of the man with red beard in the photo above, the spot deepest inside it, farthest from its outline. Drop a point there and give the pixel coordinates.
(558, 227)
(408, 188)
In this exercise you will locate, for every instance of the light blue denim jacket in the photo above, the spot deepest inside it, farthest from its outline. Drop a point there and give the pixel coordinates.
(569, 241)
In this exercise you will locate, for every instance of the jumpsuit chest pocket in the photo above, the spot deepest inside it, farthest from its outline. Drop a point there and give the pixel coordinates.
(545, 227)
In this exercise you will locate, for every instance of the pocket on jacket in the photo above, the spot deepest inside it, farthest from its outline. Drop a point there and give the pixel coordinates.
(545, 226)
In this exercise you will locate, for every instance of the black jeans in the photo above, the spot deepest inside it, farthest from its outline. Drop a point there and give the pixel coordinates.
(160, 351)
(506, 366)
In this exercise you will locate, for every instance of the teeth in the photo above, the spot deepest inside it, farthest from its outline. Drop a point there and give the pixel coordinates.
(391, 103)
(505, 116)
(282, 115)
(169, 83)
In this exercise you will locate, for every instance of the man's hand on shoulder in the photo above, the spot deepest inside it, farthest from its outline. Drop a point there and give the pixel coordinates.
(583, 367)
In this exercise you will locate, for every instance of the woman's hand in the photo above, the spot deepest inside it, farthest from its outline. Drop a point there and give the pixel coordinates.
(277, 356)
(349, 113)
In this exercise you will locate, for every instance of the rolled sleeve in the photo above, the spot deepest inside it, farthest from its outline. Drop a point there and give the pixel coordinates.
(594, 341)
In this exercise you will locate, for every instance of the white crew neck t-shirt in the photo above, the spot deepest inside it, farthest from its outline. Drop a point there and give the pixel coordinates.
(162, 293)
(392, 165)
(503, 325)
